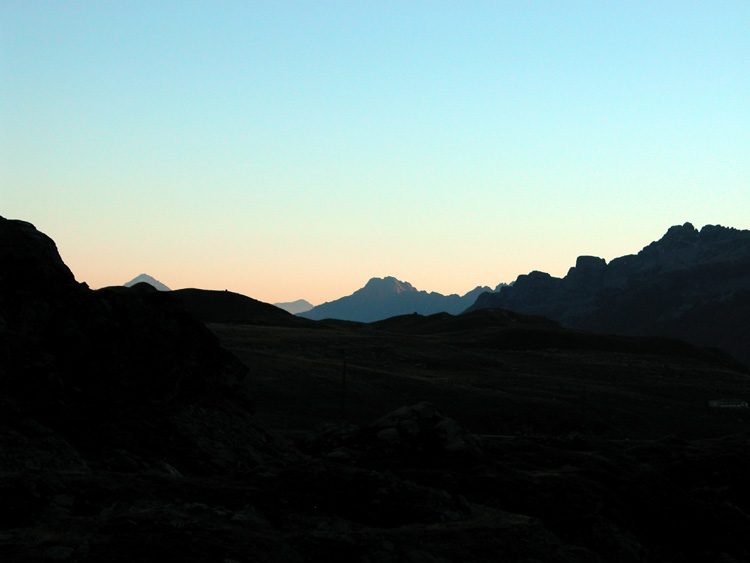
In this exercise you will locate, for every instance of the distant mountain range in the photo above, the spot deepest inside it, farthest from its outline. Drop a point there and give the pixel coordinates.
(690, 284)
(294, 307)
(145, 278)
(382, 298)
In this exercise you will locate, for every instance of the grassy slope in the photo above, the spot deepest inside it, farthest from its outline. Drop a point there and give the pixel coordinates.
(617, 388)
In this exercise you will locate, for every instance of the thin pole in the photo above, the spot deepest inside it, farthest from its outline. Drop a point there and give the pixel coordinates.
(343, 392)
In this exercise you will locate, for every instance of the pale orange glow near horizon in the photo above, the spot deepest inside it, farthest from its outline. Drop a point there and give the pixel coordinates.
(296, 153)
(282, 282)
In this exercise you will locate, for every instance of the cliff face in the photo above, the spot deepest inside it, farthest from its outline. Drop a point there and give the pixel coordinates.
(690, 284)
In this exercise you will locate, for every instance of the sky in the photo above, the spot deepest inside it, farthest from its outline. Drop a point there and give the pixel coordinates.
(293, 150)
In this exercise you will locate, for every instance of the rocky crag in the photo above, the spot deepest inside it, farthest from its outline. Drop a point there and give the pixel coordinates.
(690, 284)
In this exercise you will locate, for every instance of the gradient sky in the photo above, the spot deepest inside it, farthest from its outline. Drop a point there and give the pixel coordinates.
(289, 150)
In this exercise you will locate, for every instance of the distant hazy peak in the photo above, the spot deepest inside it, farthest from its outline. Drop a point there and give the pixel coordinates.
(145, 278)
(294, 307)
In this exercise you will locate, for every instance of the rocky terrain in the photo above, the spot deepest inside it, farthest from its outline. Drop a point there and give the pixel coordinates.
(690, 284)
(382, 298)
(132, 430)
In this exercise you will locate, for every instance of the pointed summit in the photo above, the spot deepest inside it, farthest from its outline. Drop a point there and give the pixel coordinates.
(145, 278)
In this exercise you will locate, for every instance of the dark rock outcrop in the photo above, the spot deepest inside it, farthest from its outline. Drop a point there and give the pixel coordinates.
(693, 285)
(421, 429)
(108, 373)
(417, 433)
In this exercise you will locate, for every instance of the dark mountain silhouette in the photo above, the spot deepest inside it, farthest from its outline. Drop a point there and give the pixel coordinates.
(690, 284)
(100, 370)
(228, 307)
(386, 297)
(145, 278)
(294, 307)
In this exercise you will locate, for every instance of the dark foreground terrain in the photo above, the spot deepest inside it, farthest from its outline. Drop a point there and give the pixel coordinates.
(131, 431)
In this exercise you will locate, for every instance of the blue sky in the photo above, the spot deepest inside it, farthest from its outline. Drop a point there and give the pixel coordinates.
(291, 150)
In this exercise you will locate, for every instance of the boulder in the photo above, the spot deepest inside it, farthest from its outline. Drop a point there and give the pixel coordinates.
(421, 428)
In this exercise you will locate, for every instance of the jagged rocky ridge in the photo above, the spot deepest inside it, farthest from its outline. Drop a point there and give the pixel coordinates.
(387, 297)
(690, 284)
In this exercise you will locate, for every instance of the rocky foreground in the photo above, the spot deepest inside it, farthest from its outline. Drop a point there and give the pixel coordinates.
(130, 432)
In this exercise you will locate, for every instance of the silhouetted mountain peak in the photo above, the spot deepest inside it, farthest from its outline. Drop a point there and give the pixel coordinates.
(588, 266)
(386, 297)
(387, 285)
(684, 245)
(590, 263)
(686, 230)
(676, 238)
(145, 278)
(714, 233)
